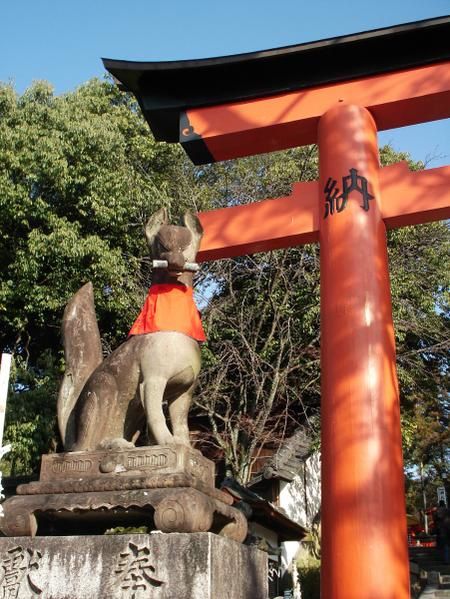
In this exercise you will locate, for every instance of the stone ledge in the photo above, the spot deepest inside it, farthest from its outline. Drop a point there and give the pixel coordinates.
(156, 566)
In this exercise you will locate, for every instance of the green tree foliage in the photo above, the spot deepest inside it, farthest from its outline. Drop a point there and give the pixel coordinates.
(420, 282)
(79, 175)
(31, 413)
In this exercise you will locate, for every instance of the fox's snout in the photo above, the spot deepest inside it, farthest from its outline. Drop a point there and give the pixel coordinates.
(175, 260)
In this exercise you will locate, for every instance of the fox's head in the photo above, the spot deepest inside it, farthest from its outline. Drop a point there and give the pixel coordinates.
(173, 248)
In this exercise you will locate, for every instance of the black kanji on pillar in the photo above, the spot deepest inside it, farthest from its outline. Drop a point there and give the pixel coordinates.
(336, 202)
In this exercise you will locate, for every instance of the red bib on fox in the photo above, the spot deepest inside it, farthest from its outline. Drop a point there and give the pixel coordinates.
(169, 307)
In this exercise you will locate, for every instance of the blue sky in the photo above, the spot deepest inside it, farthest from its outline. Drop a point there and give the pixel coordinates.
(62, 41)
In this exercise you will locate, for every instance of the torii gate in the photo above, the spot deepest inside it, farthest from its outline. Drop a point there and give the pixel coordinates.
(337, 93)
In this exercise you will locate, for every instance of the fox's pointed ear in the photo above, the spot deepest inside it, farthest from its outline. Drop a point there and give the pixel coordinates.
(154, 223)
(193, 223)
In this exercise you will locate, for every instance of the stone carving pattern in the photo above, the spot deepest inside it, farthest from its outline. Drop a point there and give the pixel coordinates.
(135, 573)
(94, 464)
(68, 466)
(171, 516)
(152, 460)
(142, 461)
(16, 568)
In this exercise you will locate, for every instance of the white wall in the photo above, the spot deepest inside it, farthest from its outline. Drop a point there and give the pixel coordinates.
(301, 500)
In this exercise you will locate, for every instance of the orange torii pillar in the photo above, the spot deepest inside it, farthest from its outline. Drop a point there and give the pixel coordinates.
(363, 516)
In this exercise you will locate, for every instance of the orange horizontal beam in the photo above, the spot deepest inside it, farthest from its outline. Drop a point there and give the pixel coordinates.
(414, 197)
(289, 120)
(261, 226)
(408, 198)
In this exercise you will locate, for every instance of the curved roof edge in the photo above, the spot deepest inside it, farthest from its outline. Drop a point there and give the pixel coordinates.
(166, 89)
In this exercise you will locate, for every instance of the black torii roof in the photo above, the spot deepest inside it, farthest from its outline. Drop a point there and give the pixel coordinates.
(165, 90)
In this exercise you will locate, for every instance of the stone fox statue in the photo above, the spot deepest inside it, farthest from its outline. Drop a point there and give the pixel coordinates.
(105, 403)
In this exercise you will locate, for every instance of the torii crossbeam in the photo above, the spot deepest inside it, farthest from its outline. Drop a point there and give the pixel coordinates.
(337, 93)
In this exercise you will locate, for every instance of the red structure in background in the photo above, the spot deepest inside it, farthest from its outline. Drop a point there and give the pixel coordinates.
(337, 93)
(362, 466)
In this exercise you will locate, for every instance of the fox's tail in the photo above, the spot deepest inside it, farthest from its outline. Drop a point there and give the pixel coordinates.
(83, 353)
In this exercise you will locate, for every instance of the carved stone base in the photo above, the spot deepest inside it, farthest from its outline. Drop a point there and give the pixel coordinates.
(129, 488)
(141, 461)
(157, 566)
(167, 510)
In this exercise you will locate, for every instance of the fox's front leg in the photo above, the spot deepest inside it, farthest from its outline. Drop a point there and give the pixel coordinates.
(152, 394)
(179, 410)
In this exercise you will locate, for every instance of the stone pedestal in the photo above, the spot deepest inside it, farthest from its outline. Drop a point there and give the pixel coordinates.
(155, 566)
(167, 488)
